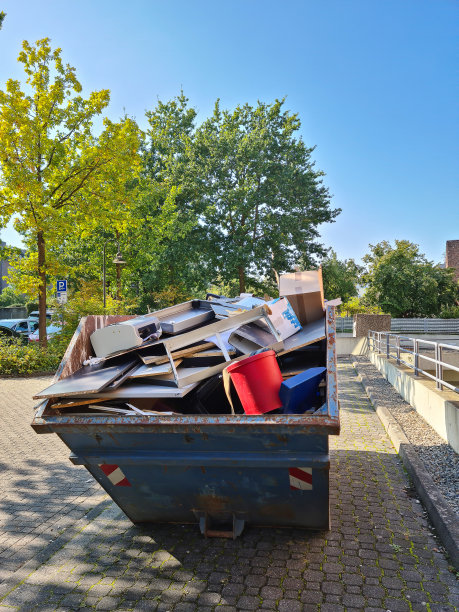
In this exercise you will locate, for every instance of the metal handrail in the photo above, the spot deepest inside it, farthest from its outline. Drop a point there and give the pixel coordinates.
(380, 342)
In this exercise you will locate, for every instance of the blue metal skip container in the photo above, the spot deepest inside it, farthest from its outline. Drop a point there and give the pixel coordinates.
(219, 471)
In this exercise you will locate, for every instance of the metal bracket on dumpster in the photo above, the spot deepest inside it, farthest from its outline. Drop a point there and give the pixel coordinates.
(204, 523)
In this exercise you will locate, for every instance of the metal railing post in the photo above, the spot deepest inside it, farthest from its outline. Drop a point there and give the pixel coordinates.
(438, 366)
(416, 356)
(397, 342)
(387, 346)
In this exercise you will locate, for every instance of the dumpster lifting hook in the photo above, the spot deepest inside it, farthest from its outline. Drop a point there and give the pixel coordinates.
(238, 527)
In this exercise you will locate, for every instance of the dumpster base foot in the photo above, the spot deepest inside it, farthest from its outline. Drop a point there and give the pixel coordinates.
(205, 525)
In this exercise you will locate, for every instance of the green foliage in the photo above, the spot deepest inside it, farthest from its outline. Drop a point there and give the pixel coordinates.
(31, 307)
(10, 297)
(86, 301)
(2, 17)
(451, 312)
(56, 178)
(257, 193)
(356, 305)
(18, 359)
(249, 199)
(340, 278)
(402, 282)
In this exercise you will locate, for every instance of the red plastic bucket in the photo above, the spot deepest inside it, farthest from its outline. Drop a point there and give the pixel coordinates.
(257, 380)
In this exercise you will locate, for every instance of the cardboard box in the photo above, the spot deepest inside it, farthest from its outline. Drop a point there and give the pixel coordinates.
(283, 317)
(305, 292)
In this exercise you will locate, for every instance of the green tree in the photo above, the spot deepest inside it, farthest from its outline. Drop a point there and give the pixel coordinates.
(179, 266)
(2, 17)
(403, 283)
(56, 177)
(340, 277)
(257, 193)
(10, 297)
(249, 199)
(356, 305)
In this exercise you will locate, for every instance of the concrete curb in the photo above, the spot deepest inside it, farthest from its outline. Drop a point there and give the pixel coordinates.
(10, 583)
(441, 515)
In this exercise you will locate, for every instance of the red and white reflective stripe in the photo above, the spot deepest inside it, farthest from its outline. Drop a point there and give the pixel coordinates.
(115, 475)
(300, 478)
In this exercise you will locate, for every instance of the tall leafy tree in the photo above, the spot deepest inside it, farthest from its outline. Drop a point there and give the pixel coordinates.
(340, 277)
(2, 17)
(403, 283)
(249, 199)
(56, 176)
(257, 194)
(180, 260)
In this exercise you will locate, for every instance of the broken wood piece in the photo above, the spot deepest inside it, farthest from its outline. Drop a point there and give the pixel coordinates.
(84, 402)
(312, 332)
(87, 380)
(154, 370)
(185, 352)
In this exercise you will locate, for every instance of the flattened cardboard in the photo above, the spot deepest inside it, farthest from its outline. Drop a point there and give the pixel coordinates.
(304, 291)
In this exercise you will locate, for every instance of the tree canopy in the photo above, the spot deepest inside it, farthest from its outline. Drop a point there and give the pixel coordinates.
(57, 178)
(340, 277)
(256, 192)
(403, 283)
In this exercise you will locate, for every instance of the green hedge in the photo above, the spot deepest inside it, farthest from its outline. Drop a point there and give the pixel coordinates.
(17, 359)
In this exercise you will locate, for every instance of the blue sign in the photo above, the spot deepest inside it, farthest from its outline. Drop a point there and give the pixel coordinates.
(61, 285)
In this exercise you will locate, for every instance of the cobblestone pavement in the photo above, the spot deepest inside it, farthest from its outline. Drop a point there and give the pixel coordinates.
(380, 554)
(41, 493)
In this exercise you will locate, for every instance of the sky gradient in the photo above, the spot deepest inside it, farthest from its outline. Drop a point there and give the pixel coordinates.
(374, 84)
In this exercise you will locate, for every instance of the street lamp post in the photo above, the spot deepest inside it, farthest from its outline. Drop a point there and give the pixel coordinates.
(118, 261)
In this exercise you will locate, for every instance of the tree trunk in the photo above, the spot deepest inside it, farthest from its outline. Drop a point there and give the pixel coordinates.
(241, 272)
(41, 290)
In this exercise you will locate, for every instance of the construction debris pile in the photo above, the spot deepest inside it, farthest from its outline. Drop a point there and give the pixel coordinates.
(241, 355)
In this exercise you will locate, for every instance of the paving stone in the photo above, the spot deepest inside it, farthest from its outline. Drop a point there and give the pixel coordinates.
(355, 566)
(248, 603)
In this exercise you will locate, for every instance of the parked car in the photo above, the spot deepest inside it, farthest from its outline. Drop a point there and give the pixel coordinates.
(51, 331)
(18, 328)
(34, 314)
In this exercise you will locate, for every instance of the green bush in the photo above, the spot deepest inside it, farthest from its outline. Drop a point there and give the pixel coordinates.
(9, 297)
(450, 313)
(31, 307)
(17, 359)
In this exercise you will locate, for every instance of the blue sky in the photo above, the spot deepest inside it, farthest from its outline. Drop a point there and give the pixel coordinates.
(373, 81)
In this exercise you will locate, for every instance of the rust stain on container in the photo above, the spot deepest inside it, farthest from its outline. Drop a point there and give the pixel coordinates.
(213, 504)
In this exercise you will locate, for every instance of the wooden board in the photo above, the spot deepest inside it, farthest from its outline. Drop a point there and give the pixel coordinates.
(141, 390)
(185, 352)
(153, 370)
(313, 332)
(74, 404)
(87, 380)
(121, 379)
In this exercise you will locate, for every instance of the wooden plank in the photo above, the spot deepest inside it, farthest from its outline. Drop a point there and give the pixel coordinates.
(153, 370)
(313, 332)
(59, 405)
(86, 380)
(186, 352)
(131, 390)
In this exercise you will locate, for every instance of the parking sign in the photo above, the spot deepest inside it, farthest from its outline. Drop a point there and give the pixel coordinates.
(61, 285)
